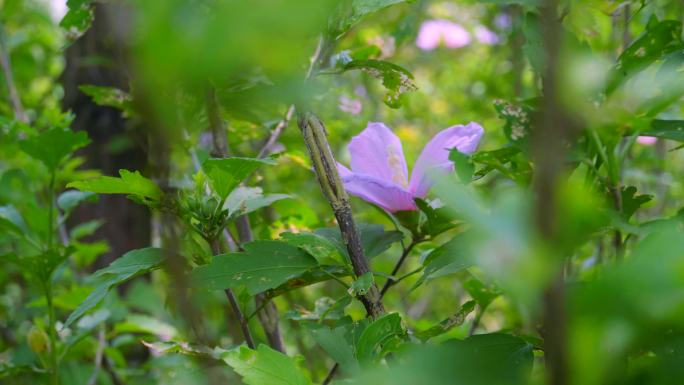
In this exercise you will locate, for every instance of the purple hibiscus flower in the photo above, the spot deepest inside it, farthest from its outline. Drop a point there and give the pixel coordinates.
(379, 173)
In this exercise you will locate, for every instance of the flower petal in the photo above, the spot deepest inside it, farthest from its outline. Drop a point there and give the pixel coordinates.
(387, 195)
(377, 152)
(435, 155)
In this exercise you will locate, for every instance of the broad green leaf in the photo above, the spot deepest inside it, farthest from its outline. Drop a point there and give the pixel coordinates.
(52, 146)
(265, 366)
(374, 238)
(534, 43)
(136, 186)
(321, 248)
(666, 129)
(131, 264)
(396, 79)
(263, 265)
(226, 174)
(111, 97)
(244, 200)
(337, 342)
(68, 200)
(449, 258)
(310, 277)
(39, 267)
(376, 334)
(455, 320)
(659, 39)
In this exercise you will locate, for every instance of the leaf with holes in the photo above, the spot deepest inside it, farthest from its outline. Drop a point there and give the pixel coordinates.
(396, 79)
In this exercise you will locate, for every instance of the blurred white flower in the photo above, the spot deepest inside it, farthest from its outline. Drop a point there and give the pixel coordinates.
(432, 33)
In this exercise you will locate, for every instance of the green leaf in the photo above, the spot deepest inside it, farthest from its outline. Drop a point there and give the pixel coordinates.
(396, 79)
(374, 238)
(338, 343)
(659, 39)
(244, 200)
(495, 358)
(78, 18)
(455, 320)
(481, 293)
(226, 174)
(463, 165)
(352, 12)
(111, 97)
(376, 334)
(263, 265)
(534, 43)
(40, 267)
(130, 265)
(449, 258)
(361, 285)
(437, 220)
(265, 366)
(631, 202)
(321, 248)
(666, 129)
(136, 186)
(68, 200)
(52, 146)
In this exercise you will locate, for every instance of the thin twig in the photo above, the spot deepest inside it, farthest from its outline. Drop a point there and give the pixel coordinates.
(331, 374)
(99, 353)
(6, 64)
(277, 131)
(391, 281)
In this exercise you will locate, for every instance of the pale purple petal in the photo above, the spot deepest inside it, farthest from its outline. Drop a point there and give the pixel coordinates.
(430, 35)
(377, 152)
(435, 155)
(503, 21)
(485, 35)
(387, 195)
(647, 140)
(455, 36)
(352, 106)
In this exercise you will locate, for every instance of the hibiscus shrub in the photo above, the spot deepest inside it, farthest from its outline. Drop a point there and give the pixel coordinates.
(214, 192)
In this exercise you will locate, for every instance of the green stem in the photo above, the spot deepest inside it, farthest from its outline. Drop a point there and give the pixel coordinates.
(52, 334)
(51, 209)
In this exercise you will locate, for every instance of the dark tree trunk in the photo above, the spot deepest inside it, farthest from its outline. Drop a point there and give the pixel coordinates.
(99, 58)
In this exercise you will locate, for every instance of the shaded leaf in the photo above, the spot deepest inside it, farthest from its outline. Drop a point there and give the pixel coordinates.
(130, 265)
(226, 174)
(263, 265)
(52, 146)
(111, 97)
(374, 238)
(321, 248)
(69, 199)
(265, 366)
(666, 129)
(659, 39)
(376, 334)
(244, 200)
(449, 258)
(136, 186)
